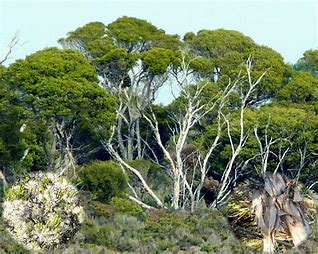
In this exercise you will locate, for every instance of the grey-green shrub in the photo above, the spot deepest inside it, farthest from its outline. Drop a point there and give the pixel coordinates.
(42, 211)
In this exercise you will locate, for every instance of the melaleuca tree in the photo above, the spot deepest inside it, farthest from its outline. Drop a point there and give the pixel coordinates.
(59, 89)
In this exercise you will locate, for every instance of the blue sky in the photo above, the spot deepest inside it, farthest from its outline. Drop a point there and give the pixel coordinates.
(290, 27)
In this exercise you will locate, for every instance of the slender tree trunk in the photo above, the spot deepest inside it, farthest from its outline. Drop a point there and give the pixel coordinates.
(51, 151)
(176, 192)
(130, 142)
(138, 135)
(120, 141)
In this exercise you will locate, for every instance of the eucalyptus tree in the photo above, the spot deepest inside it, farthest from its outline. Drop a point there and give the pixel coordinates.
(302, 88)
(131, 57)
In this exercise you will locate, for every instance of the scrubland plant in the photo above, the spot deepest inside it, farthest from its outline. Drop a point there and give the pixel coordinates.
(104, 179)
(42, 211)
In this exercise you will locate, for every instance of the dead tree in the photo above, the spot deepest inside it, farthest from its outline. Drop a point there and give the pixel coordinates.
(184, 192)
(194, 111)
(231, 173)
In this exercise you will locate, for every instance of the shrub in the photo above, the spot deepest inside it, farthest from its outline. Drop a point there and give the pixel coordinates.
(126, 206)
(104, 179)
(42, 211)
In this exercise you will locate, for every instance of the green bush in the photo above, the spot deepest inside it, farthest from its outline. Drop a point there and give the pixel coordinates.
(126, 206)
(104, 179)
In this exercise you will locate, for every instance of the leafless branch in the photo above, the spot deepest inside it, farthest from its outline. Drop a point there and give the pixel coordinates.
(13, 43)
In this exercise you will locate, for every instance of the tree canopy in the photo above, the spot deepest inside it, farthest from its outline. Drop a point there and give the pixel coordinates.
(59, 88)
(309, 62)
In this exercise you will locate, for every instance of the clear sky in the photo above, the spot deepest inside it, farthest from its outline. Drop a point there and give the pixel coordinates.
(289, 26)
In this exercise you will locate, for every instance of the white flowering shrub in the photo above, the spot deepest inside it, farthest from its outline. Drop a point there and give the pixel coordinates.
(42, 211)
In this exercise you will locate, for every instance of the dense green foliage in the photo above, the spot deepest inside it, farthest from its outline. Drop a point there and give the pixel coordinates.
(302, 88)
(105, 179)
(49, 89)
(12, 114)
(228, 50)
(60, 85)
(309, 62)
(115, 49)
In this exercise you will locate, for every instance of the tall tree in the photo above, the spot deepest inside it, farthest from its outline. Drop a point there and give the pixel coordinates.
(59, 88)
(302, 88)
(131, 57)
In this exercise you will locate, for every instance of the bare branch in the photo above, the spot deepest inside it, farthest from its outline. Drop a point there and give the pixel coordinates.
(227, 180)
(111, 150)
(141, 203)
(13, 43)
